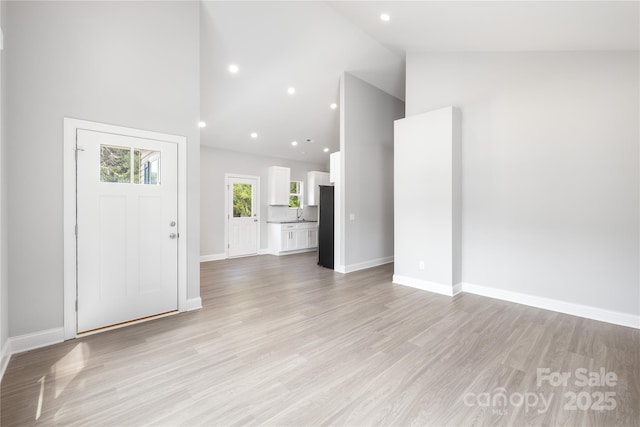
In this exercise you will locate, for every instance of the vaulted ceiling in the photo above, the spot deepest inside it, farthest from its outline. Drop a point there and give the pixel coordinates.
(307, 45)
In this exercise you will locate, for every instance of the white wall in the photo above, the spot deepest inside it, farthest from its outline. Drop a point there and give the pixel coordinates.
(366, 144)
(214, 164)
(134, 64)
(4, 283)
(550, 169)
(427, 201)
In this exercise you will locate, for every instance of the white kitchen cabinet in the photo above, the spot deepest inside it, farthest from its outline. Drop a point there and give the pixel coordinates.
(279, 179)
(313, 237)
(302, 238)
(314, 180)
(289, 238)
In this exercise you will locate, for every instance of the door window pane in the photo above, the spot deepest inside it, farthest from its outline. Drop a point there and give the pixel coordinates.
(115, 164)
(242, 200)
(146, 167)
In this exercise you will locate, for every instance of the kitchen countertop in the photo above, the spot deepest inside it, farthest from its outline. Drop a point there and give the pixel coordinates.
(284, 221)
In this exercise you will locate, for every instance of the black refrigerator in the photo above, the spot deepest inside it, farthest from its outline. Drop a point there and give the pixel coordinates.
(325, 227)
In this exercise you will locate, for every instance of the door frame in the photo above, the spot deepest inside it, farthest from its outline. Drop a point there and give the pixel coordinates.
(227, 176)
(71, 126)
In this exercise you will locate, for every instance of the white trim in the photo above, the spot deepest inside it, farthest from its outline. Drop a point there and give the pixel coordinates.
(212, 257)
(368, 264)
(70, 129)
(588, 312)
(5, 356)
(226, 211)
(340, 269)
(35, 340)
(293, 252)
(426, 285)
(220, 257)
(194, 304)
(124, 325)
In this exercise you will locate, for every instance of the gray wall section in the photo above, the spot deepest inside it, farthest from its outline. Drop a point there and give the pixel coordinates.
(367, 150)
(132, 64)
(215, 163)
(550, 169)
(4, 278)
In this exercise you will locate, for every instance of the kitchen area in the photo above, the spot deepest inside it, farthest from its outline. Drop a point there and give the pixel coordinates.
(300, 214)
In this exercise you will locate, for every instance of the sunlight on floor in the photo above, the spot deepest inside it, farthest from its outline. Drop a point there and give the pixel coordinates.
(66, 369)
(40, 396)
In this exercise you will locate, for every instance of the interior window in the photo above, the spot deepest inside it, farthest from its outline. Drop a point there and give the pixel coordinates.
(116, 165)
(295, 194)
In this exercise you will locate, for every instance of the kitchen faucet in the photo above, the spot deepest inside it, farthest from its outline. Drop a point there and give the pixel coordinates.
(298, 213)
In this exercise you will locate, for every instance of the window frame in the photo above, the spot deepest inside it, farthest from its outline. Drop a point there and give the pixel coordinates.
(299, 194)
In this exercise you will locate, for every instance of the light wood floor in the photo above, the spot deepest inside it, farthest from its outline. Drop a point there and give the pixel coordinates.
(283, 342)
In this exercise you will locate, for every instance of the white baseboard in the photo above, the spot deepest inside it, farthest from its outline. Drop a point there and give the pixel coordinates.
(213, 257)
(340, 269)
(35, 340)
(350, 268)
(588, 312)
(298, 251)
(5, 356)
(426, 285)
(194, 304)
(220, 257)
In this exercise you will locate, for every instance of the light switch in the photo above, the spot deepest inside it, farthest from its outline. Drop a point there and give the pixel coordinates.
(352, 216)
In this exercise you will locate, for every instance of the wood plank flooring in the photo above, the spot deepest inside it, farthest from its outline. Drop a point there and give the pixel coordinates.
(282, 342)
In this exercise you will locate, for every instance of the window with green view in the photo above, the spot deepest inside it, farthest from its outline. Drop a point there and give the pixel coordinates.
(295, 194)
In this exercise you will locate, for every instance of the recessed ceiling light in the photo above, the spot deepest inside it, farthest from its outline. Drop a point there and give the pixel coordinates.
(385, 17)
(202, 124)
(254, 135)
(333, 106)
(291, 90)
(233, 68)
(326, 150)
(294, 143)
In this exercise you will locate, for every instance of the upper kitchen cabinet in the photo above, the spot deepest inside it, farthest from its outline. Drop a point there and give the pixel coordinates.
(314, 180)
(278, 186)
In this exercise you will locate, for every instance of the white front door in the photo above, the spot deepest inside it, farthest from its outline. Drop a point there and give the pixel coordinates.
(127, 250)
(242, 216)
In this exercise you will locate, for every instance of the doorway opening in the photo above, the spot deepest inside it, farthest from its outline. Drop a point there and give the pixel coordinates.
(242, 215)
(125, 240)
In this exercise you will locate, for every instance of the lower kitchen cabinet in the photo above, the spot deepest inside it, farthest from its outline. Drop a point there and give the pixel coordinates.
(289, 238)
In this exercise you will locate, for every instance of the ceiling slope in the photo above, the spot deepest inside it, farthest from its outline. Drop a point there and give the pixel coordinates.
(277, 45)
(473, 26)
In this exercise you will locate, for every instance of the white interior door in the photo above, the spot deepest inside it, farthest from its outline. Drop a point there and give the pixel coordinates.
(242, 216)
(127, 250)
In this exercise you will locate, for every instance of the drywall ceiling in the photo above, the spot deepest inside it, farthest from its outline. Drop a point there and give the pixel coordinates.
(498, 25)
(277, 45)
(308, 44)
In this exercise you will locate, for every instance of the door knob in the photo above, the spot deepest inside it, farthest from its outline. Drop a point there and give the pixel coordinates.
(172, 235)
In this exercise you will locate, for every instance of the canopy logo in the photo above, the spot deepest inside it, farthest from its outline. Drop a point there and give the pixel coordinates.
(500, 401)
(584, 400)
